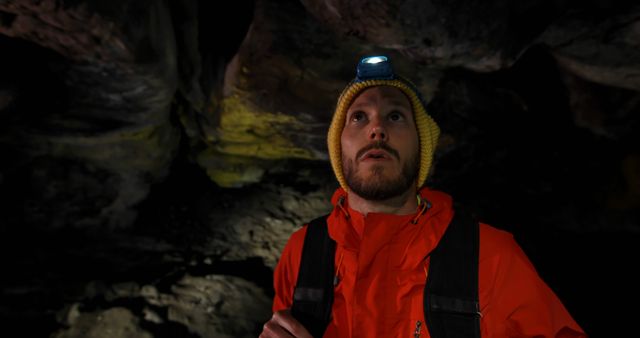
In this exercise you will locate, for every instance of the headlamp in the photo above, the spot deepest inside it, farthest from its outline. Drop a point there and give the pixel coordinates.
(374, 68)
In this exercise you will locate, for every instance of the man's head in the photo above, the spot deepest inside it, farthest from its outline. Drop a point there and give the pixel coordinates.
(381, 140)
(380, 144)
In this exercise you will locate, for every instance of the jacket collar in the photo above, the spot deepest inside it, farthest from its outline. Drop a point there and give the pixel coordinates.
(368, 234)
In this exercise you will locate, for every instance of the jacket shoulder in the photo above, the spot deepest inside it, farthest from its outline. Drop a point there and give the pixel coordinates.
(514, 299)
(293, 249)
(286, 272)
(494, 235)
(495, 242)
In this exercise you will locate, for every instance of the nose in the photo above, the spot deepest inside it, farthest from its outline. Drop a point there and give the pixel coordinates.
(377, 133)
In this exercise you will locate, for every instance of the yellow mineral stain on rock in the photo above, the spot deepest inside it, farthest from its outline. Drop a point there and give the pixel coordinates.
(231, 171)
(249, 131)
(248, 140)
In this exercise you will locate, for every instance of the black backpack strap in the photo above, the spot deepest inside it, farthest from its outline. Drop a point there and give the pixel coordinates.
(451, 305)
(313, 295)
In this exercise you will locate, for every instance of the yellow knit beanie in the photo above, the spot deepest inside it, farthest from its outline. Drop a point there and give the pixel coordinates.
(428, 130)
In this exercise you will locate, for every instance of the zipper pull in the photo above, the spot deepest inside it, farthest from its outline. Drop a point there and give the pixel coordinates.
(416, 333)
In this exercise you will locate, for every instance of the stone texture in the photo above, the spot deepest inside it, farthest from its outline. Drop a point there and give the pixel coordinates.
(479, 35)
(260, 224)
(110, 110)
(102, 104)
(235, 225)
(219, 306)
(115, 322)
(199, 261)
(600, 45)
(203, 306)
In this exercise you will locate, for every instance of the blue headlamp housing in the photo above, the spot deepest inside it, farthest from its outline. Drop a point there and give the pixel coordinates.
(374, 68)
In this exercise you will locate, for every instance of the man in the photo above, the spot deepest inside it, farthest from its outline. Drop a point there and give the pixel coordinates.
(386, 226)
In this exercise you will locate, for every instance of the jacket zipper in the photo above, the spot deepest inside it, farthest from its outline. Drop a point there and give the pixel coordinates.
(416, 333)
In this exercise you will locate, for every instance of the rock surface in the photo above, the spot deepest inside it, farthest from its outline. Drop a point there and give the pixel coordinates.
(104, 106)
(203, 306)
(156, 156)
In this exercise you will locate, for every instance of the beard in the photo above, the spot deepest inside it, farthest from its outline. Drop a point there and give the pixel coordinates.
(379, 186)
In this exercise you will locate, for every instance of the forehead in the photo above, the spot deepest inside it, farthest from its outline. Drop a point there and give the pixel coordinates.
(381, 94)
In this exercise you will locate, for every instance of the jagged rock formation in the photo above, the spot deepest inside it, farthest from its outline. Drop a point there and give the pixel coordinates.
(142, 139)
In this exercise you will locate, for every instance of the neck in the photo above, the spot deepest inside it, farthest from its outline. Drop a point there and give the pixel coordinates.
(400, 205)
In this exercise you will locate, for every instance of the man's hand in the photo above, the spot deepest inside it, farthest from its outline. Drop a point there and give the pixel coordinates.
(283, 325)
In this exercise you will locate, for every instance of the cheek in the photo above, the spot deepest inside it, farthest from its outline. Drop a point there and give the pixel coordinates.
(410, 144)
(415, 146)
(347, 144)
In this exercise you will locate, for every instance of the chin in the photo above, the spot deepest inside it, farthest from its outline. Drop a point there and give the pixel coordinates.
(377, 180)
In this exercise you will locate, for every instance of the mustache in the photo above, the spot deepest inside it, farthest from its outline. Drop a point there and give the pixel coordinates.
(378, 145)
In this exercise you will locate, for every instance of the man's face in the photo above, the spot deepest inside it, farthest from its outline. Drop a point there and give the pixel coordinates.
(380, 147)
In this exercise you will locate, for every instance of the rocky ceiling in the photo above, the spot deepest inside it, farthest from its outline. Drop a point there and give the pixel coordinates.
(156, 154)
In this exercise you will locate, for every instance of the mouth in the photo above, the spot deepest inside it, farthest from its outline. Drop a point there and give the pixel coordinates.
(375, 155)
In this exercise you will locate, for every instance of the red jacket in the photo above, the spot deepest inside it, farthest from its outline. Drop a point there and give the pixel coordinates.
(380, 260)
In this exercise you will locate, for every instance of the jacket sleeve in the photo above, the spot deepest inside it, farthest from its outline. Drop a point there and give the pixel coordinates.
(521, 304)
(286, 271)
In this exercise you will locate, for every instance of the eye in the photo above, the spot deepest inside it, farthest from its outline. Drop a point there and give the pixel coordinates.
(357, 116)
(396, 116)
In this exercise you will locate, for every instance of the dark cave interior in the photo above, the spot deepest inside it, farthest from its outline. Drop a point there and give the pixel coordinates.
(150, 145)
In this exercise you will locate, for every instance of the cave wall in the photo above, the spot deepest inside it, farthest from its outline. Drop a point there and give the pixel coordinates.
(156, 155)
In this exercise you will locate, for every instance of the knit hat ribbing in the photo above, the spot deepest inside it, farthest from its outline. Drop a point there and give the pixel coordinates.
(428, 131)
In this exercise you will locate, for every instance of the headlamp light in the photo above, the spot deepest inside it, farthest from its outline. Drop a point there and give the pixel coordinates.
(374, 68)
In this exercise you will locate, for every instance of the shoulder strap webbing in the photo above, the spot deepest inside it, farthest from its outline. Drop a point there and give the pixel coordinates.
(313, 295)
(451, 293)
